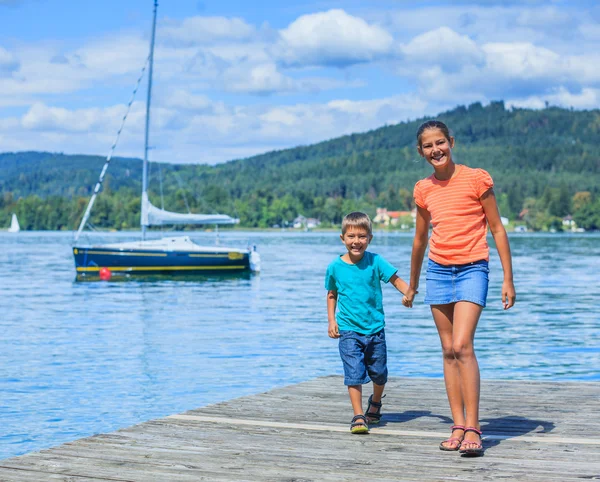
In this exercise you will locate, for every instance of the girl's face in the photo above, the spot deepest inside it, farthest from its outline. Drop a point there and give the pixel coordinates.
(436, 148)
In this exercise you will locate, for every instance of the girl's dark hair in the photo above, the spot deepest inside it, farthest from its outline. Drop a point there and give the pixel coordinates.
(432, 124)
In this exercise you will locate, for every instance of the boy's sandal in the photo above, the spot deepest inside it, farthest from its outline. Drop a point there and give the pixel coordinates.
(469, 448)
(453, 443)
(359, 424)
(373, 417)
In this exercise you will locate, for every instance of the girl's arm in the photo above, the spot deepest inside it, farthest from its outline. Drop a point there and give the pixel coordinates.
(418, 252)
(490, 208)
(332, 331)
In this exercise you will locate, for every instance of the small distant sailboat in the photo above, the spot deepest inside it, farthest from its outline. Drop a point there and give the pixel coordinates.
(167, 256)
(14, 224)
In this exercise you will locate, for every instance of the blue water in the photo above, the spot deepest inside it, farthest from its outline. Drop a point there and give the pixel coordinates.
(83, 358)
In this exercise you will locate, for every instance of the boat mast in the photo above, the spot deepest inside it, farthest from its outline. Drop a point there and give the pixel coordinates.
(147, 131)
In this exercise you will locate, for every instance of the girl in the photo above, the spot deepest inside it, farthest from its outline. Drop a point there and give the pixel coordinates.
(458, 201)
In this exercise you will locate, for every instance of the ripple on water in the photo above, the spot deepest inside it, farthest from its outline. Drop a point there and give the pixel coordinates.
(83, 358)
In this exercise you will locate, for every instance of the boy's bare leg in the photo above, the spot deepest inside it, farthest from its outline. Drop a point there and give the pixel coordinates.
(466, 317)
(355, 392)
(377, 392)
(377, 395)
(376, 398)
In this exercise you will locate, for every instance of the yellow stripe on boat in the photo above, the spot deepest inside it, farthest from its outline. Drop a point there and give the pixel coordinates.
(192, 255)
(125, 253)
(92, 269)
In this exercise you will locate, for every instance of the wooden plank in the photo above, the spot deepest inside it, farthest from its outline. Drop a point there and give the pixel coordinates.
(533, 431)
(374, 430)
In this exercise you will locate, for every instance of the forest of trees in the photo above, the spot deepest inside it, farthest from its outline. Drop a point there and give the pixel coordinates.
(545, 165)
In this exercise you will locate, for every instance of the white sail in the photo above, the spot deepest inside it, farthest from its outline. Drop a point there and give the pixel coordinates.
(14, 224)
(153, 216)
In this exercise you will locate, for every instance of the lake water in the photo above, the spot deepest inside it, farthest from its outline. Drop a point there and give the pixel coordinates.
(83, 358)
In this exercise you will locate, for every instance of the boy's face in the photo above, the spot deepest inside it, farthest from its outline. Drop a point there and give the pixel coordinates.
(356, 241)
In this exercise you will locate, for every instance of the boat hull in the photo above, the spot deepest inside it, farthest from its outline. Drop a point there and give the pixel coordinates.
(90, 260)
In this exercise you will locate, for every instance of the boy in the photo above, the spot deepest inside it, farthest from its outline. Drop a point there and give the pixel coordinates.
(353, 283)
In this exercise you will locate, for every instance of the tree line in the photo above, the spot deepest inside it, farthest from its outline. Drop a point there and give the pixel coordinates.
(544, 163)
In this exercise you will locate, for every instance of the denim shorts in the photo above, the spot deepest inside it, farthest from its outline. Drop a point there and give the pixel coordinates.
(364, 357)
(459, 282)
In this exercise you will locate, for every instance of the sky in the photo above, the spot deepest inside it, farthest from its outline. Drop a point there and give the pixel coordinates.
(234, 78)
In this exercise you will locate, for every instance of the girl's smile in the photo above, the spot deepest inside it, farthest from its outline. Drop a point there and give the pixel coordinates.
(436, 148)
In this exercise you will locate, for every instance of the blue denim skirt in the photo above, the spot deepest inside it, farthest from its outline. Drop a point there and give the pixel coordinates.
(459, 282)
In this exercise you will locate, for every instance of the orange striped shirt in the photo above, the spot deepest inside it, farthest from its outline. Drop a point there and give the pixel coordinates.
(459, 223)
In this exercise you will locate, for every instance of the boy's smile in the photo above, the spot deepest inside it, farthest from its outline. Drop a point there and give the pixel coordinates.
(356, 240)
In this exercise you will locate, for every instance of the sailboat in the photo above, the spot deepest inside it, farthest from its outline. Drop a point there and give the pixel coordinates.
(166, 256)
(14, 224)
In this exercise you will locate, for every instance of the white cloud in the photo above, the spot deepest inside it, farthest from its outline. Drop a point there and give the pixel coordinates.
(306, 123)
(41, 117)
(442, 47)
(219, 82)
(259, 79)
(45, 70)
(280, 116)
(110, 56)
(544, 18)
(521, 60)
(551, 26)
(184, 100)
(8, 62)
(178, 135)
(332, 38)
(561, 97)
(206, 30)
(447, 65)
(590, 31)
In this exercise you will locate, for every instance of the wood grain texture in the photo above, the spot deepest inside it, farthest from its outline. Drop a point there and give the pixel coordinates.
(533, 431)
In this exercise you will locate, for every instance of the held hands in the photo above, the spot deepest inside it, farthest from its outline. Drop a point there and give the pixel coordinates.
(509, 295)
(333, 331)
(408, 298)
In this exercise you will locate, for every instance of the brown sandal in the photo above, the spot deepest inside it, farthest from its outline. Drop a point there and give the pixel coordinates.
(453, 440)
(472, 449)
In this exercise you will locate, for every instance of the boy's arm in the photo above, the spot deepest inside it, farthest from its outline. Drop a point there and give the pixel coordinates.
(331, 306)
(402, 287)
(399, 284)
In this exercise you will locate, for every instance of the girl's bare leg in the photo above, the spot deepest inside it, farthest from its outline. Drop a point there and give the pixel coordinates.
(443, 315)
(466, 317)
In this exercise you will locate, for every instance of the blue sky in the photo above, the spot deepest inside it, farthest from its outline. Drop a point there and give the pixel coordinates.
(236, 78)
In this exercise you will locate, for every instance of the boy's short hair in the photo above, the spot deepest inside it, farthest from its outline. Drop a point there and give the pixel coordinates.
(357, 219)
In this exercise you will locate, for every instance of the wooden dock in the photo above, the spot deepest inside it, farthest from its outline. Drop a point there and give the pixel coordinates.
(533, 431)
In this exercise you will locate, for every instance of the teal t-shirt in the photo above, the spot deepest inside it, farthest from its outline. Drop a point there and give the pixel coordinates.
(360, 302)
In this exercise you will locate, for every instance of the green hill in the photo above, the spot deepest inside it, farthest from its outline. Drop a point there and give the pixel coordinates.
(539, 159)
